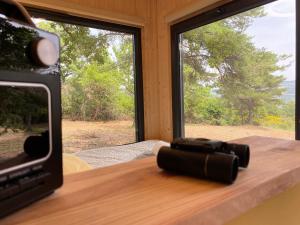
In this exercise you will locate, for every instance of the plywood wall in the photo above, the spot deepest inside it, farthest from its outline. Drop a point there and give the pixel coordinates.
(155, 18)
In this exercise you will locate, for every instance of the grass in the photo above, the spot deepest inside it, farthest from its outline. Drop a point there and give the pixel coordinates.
(227, 133)
(81, 135)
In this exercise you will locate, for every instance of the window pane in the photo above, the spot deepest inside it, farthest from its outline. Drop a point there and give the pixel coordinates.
(97, 86)
(239, 75)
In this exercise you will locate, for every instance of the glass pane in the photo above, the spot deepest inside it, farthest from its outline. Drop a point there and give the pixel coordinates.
(97, 86)
(24, 128)
(239, 75)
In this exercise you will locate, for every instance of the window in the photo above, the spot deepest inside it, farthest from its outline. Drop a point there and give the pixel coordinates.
(102, 89)
(234, 72)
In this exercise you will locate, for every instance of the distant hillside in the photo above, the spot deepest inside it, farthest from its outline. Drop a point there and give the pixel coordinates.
(290, 90)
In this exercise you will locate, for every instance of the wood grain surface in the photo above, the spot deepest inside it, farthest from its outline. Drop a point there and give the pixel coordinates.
(140, 193)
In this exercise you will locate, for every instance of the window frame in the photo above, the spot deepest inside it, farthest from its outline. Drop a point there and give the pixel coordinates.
(137, 53)
(208, 17)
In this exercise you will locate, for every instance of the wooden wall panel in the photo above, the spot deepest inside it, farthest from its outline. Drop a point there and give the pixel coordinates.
(111, 10)
(151, 86)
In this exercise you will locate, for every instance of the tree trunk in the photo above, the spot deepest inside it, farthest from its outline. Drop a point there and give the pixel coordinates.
(250, 111)
(28, 122)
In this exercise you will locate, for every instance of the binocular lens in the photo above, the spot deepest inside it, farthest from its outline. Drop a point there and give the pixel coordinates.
(242, 151)
(36, 146)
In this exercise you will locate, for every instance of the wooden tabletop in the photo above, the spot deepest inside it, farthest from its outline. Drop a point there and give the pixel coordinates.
(140, 193)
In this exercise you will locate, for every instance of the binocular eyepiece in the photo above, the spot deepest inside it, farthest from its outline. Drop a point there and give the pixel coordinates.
(204, 158)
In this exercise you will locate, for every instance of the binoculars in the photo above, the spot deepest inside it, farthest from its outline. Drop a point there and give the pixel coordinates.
(204, 158)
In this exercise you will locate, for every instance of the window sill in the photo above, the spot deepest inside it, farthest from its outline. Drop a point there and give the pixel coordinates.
(139, 193)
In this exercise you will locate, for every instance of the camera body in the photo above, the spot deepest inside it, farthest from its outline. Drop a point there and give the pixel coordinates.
(30, 113)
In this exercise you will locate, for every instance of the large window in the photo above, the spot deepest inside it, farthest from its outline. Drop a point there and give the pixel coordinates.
(234, 71)
(102, 92)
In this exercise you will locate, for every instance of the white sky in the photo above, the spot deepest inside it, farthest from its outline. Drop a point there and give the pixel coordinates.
(277, 31)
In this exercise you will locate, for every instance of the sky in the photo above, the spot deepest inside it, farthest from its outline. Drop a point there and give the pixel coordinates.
(277, 31)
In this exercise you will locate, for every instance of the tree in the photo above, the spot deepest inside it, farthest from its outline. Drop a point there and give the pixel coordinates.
(21, 107)
(17, 38)
(97, 72)
(254, 85)
(125, 66)
(221, 55)
(93, 95)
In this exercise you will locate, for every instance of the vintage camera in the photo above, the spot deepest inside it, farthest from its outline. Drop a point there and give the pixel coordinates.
(204, 158)
(30, 110)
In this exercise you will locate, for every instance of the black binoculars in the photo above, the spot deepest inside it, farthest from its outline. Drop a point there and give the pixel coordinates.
(204, 158)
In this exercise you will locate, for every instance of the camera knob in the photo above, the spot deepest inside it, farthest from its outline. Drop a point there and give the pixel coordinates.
(43, 52)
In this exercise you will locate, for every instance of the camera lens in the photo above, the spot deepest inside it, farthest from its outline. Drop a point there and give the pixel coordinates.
(36, 146)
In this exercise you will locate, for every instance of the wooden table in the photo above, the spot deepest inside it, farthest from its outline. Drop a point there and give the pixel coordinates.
(139, 193)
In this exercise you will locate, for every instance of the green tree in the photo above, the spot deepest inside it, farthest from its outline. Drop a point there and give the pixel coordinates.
(93, 95)
(21, 107)
(125, 65)
(97, 72)
(224, 57)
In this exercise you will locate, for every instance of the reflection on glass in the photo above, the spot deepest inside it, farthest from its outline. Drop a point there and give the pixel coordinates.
(24, 128)
(15, 45)
(14, 41)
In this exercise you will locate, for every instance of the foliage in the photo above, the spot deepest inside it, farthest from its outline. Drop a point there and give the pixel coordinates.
(16, 38)
(222, 66)
(97, 72)
(227, 79)
(283, 117)
(95, 94)
(21, 107)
